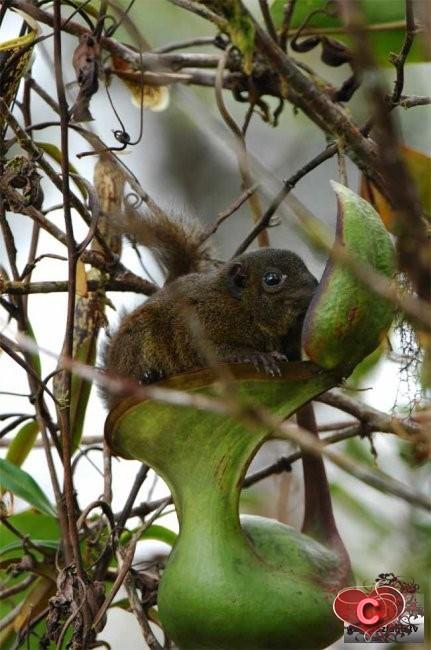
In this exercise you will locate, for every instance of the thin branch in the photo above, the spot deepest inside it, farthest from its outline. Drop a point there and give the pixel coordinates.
(371, 418)
(70, 533)
(179, 45)
(85, 441)
(233, 207)
(199, 9)
(241, 149)
(127, 562)
(409, 101)
(288, 185)
(137, 484)
(138, 609)
(16, 589)
(263, 4)
(400, 59)
(288, 10)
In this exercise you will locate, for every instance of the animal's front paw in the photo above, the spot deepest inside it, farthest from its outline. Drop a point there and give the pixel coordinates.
(266, 361)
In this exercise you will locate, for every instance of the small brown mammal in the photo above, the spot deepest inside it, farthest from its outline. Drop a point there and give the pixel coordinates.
(249, 309)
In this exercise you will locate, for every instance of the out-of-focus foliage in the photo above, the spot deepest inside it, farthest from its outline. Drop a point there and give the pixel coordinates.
(386, 16)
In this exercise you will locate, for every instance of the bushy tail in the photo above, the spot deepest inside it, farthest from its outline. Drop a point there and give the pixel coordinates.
(179, 245)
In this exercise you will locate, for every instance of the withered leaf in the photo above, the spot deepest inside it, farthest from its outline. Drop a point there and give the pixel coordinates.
(86, 61)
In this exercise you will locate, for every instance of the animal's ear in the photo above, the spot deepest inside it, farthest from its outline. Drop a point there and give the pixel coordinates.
(236, 279)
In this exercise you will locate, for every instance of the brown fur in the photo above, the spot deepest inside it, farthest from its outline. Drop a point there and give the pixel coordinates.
(207, 311)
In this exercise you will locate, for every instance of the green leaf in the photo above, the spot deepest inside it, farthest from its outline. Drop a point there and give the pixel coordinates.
(386, 16)
(35, 358)
(360, 450)
(45, 544)
(32, 524)
(241, 32)
(367, 365)
(155, 531)
(89, 314)
(22, 443)
(55, 153)
(80, 390)
(160, 533)
(24, 486)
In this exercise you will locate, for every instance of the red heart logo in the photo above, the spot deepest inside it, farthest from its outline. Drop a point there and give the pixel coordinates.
(369, 611)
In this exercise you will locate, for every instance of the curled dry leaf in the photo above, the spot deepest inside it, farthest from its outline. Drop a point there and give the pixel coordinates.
(86, 60)
(419, 167)
(153, 97)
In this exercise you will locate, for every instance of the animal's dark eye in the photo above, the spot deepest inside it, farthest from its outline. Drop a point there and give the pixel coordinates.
(271, 279)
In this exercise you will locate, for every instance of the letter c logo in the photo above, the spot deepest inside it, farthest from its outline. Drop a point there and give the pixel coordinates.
(361, 614)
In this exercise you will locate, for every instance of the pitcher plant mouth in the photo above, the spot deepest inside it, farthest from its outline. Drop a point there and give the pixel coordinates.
(255, 583)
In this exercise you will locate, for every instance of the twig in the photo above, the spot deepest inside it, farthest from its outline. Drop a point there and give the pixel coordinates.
(400, 59)
(199, 9)
(70, 531)
(127, 561)
(86, 440)
(233, 207)
(336, 426)
(16, 589)
(409, 101)
(179, 45)
(9, 347)
(138, 609)
(99, 503)
(137, 484)
(37, 154)
(288, 185)
(241, 149)
(263, 4)
(371, 418)
(288, 10)
(341, 165)
(27, 542)
(94, 207)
